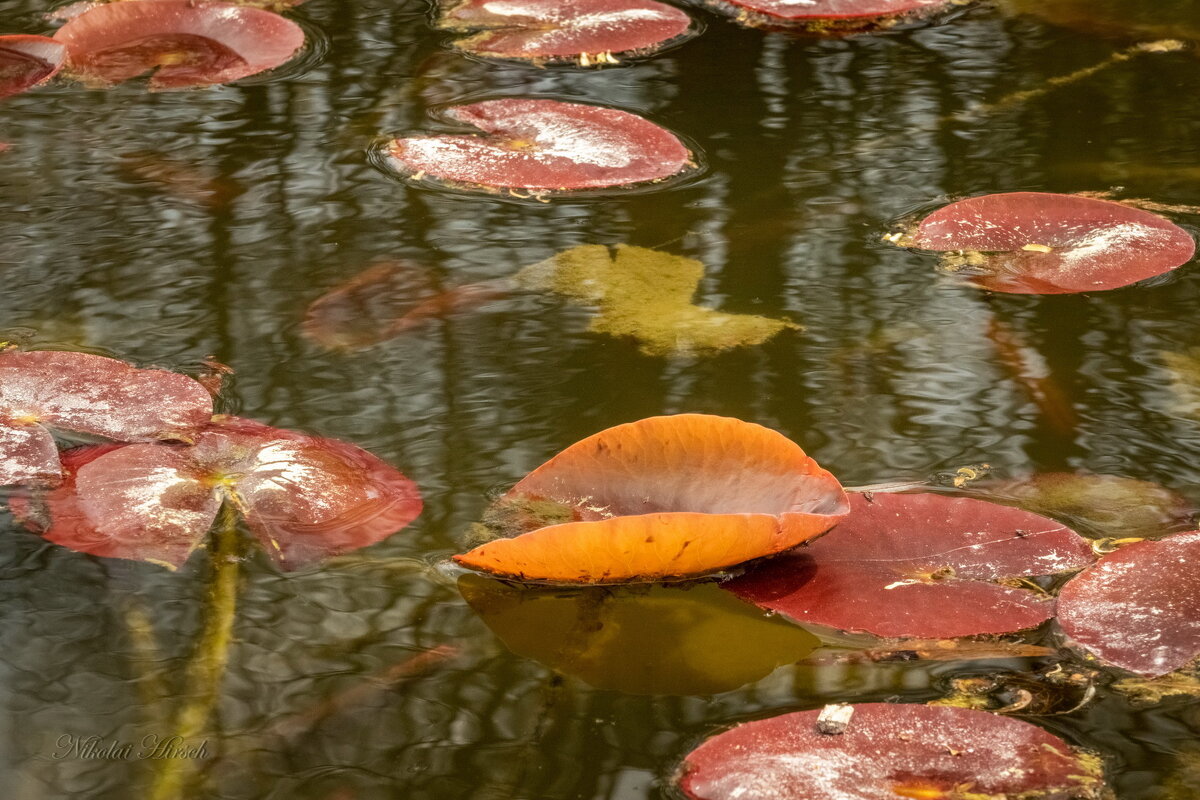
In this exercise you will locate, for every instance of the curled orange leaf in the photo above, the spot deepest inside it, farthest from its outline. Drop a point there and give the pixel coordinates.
(662, 498)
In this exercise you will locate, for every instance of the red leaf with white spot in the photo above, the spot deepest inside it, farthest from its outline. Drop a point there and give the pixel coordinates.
(26, 61)
(1040, 243)
(543, 146)
(306, 498)
(89, 394)
(541, 30)
(186, 42)
(919, 565)
(1138, 608)
(873, 12)
(890, 751)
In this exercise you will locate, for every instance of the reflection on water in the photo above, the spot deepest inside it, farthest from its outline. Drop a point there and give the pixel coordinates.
(166, 228)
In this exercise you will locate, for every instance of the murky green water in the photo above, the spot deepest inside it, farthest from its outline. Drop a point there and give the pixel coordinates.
(812, 150)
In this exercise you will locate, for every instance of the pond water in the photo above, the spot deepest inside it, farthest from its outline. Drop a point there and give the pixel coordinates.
(165, 228)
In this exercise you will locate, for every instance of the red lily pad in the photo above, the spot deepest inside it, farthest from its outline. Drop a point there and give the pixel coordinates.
(305, 498)
(26, 61)
(185, 42)
(590, 31)
(829, 16)
(1040, 243)
(542, 146)
(919, 565)
(90, 394)
(886, 751)
(1138, 608)
(662, 498)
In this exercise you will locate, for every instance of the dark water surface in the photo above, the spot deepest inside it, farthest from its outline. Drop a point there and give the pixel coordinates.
(812, 151)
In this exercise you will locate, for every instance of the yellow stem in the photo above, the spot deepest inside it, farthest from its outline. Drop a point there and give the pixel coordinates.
(207, 667)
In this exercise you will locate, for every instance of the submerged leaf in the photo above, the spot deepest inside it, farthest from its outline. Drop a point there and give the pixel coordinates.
(647, 295)
(589, 31)
(1096, 505)
(186, 43)
(306, 498)
(665, 497)
(387, 300)
(886, 751)
(654, 640)
(542, 146)
(90, 394)
(919, 565)
(26, 61)
(1041, 243)
(1138, 608)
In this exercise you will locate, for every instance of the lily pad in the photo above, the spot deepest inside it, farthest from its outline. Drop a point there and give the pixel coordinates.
(886, 751)
(542, 146)
(920, 565)
(647, 295)
(662, 498)
(305, 498)
(89, 394)
(830, 16)
(186, 43)
(653, 640)
(1138, 608)
(589, 32)
(1041, 243)
(26, 61)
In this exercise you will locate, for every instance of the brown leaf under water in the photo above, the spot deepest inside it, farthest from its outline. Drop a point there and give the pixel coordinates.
(387, 300)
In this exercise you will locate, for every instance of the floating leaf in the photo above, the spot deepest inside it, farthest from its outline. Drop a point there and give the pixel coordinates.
(590, 32)
(185, 42)
(306, 498)
(665, 497)
(1138, 608)
(890, 751)
(89, 394)
(647, 295)
(542, 146)
(651, 640)
(1040, 243)
(387, 300)
(1097, 505)
(830, 16)
(919, 565)
(26, 61)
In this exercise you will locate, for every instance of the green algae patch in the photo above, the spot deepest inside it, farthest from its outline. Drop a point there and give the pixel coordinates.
(646, 295)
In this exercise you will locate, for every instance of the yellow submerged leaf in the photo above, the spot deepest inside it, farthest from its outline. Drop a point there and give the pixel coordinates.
(647, 295)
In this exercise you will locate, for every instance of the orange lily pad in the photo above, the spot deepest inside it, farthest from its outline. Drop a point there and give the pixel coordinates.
(660, 499)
